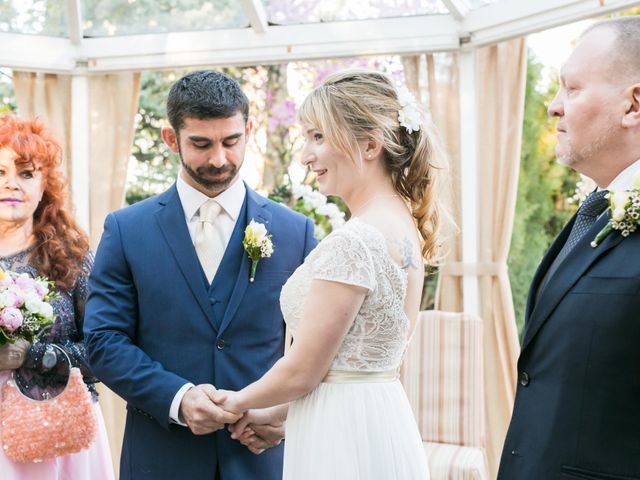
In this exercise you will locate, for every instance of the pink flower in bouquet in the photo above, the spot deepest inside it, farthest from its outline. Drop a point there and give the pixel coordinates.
(27, 284)
(41, 288)
(11, 318)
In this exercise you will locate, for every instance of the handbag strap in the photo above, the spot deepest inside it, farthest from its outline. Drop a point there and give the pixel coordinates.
(66, 355)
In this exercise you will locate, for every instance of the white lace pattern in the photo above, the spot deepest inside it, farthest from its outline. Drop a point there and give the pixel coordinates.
(357, 254)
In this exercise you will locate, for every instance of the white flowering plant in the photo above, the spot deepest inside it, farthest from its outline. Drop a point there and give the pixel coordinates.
(325, 214)
(625, 211)
(258, 245)
(25, 307)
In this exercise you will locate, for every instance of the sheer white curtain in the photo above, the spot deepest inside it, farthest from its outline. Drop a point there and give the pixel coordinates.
(502, 74)
(113, 103)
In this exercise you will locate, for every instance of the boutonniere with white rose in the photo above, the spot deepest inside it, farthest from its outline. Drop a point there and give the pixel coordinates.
(625, 212)
(258, 245)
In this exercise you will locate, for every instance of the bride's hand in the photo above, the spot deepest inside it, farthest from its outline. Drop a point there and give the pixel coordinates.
(227, 400)
(259, 429)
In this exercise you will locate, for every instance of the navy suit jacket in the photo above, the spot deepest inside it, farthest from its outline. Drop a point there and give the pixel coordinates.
(577, 406)
(153, 323)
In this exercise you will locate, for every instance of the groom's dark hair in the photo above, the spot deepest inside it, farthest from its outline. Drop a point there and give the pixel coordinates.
(205, 94)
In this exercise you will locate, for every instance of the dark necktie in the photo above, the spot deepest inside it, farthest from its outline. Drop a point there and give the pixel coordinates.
(588, 213)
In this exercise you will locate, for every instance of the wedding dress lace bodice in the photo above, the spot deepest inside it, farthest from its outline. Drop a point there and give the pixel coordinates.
(357, 254)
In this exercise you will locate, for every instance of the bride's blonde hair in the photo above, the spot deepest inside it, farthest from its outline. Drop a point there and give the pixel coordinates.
(360, 105)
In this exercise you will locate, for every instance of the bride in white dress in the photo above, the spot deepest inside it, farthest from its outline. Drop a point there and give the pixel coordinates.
(352, 305)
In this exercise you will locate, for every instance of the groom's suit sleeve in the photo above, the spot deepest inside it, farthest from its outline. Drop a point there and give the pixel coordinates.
(110, 324)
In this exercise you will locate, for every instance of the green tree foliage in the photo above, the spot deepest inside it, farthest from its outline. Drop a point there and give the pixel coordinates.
(118, 17)
(544, 190)
(46, 17)
(7, 96)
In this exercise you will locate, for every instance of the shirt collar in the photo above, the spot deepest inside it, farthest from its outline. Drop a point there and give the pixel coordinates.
(623, 180)
(230, 200)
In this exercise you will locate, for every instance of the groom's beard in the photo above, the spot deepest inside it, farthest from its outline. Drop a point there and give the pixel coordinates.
(202, 175)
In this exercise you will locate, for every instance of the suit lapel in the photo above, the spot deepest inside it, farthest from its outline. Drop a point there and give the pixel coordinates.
(255, 211)
(542, 269)
(172, 224)
(568, 273)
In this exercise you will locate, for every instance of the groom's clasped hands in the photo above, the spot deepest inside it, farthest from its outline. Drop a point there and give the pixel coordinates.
(205, 410)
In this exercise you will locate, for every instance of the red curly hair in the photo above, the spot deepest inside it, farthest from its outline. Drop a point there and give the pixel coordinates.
(61, 246)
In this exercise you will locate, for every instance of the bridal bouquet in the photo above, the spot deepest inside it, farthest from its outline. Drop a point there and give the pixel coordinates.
(25, 306)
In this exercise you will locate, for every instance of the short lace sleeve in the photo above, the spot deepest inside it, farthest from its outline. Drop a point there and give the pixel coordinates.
(344, 257)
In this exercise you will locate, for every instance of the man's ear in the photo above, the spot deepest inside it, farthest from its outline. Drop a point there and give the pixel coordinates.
(171, 139)
(248, 128)
(631, 118)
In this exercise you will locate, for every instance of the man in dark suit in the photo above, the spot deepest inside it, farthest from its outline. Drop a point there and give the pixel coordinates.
(172, 315)
(577, 406)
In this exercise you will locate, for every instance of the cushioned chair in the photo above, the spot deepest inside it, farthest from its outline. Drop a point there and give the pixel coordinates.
(443, 377)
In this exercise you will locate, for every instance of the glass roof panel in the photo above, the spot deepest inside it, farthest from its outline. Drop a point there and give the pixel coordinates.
(130, 17)
(480, 3)
(36, 17)
(312, 11)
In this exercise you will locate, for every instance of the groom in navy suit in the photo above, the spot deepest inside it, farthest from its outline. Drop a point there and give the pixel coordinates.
(577, 407)
(172, 315)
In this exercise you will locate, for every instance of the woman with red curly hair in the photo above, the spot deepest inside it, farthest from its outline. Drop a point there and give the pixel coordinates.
(38, 236)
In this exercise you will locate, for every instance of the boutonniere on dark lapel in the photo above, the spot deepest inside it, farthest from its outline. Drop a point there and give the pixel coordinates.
(625, 212)
(258, 245)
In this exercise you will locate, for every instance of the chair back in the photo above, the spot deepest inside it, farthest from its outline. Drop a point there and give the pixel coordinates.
(443, 377)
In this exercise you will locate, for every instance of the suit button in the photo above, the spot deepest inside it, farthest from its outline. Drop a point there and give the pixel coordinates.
(220, 344)
(524, 379)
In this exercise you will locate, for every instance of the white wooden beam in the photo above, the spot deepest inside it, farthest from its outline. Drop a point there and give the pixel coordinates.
(36, 53)
(74, 21)
(458, 8)
(469, 179)
(257, 15)
(281, 43)
(500, 21)
(80, 126)
(508, 19)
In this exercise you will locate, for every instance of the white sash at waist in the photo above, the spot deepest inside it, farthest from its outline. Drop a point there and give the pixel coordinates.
(347, 376)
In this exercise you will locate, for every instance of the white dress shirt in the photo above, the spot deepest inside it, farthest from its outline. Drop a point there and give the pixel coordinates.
(231, 201)
(623, 180)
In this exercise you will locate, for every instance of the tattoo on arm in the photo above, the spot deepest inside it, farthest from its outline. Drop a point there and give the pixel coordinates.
(408, 256)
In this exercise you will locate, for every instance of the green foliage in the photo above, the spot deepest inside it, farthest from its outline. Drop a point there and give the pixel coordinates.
(37, 17)
(154, 167)
(118, 17)
(544, 187)
(7, 95)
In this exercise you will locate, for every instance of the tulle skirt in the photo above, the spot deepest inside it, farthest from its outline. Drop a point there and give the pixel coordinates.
(93, 463)
(354, 431)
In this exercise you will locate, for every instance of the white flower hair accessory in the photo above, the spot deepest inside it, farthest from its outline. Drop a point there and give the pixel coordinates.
(408, 115)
